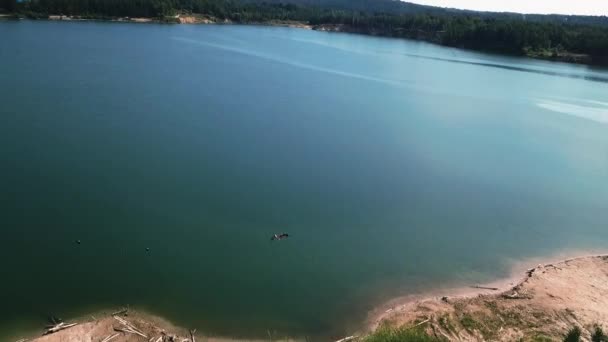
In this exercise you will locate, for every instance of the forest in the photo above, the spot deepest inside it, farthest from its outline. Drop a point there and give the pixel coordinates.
(532, 35)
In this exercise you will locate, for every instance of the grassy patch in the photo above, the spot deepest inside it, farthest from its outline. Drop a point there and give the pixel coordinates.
(541, 338)
(469, 323)
(387, 334)
(446, 323)
(493, 306)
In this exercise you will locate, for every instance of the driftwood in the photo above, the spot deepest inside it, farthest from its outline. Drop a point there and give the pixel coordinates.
(192, 332)
(346, 339)
(419, 324)
(485, 288)
(516, 295)
(530, 272)
(129, 331)
(121, 312)
(110, 338)
(128, 327)
(22, 340)
(58, 327)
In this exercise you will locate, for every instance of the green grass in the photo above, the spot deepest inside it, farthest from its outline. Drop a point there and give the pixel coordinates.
(446, 323)
(542, 338)
(468, 322)
(386, 334)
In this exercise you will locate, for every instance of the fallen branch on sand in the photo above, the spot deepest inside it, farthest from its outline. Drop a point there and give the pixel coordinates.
(513, 295)
(485, 288)
(346, 339)
(516, 295)
(129, 331)
(419, 324)
(121, 312)
(110, 338)
(59, 327)
(128, 327)
(192, 332)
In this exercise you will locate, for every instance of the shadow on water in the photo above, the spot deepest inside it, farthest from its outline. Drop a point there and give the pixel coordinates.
(514, 68)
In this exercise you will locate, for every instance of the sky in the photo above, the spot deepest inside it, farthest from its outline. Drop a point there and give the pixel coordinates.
(581, 7)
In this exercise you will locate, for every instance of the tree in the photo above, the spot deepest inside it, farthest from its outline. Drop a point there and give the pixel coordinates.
(574, 335)
(598, 335)
(9, 5)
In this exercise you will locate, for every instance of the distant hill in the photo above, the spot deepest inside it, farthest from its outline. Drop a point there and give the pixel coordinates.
(402, 7)
(372, 6)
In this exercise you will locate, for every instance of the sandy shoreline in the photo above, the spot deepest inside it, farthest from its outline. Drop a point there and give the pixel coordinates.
(516, 276)
(104, 324)
(546, 273)
(548, 296)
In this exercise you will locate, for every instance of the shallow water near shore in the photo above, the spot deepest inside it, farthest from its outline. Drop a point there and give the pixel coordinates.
(392, 167)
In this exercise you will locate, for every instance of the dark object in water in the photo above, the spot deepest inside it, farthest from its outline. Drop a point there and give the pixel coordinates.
(78, 242)
(147, 249)
(279, 236)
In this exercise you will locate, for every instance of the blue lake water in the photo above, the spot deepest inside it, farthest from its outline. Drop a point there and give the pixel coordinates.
(394, 165)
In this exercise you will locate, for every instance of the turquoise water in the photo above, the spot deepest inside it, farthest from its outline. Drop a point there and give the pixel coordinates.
(394, 165)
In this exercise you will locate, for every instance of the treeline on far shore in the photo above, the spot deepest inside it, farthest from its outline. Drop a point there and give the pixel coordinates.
(470, 30)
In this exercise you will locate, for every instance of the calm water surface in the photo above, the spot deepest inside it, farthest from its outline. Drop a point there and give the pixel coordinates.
(394, 165)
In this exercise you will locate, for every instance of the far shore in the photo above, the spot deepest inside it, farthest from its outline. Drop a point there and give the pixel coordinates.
(546, 297)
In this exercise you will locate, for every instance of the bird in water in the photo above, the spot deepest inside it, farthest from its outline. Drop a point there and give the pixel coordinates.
(279, 236)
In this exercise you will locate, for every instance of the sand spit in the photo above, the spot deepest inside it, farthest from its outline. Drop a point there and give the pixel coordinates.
(549, 300)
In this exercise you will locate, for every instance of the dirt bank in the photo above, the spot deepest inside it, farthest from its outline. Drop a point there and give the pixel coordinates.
(550, 299)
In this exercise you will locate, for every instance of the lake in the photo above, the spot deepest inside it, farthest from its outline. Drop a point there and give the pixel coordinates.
(395, 166)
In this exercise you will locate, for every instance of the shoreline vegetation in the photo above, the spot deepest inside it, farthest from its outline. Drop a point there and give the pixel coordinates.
(571, 39)
(542, 303)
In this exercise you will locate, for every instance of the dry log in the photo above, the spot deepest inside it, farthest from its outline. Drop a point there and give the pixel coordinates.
(110, 337)
(129, 326)
(130, 331)
(419, 324)
(192, 332)
(346, 339)
(485, 288)
(59, 327)
(121, 320)
(122, 311)
(514, 295)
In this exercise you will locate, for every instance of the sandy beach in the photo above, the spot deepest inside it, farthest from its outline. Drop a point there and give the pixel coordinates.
(543, 301)
(129, 326)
